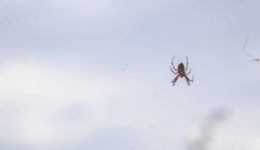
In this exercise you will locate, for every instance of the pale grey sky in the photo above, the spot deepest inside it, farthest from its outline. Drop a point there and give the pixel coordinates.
(94, 75)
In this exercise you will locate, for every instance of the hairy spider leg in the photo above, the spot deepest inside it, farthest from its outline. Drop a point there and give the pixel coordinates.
(175, 79)
(173, 64)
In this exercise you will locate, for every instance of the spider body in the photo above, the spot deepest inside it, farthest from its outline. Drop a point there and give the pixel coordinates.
(180, 72)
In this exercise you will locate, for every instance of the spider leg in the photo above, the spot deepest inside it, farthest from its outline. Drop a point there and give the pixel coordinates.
(172, 70)
(187, 64)
(173, 65)
(192, 79)
(188, 72)
(187, 79)
(175, 79)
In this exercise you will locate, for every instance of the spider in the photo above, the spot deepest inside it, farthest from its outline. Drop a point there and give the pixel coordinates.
(181, 72)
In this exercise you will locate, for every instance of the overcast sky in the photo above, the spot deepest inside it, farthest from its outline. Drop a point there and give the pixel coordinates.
(94, 74)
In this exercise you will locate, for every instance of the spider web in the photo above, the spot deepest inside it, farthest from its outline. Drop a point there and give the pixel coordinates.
(245, 52)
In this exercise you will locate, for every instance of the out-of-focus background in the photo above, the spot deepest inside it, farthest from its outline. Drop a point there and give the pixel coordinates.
(94, 75)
